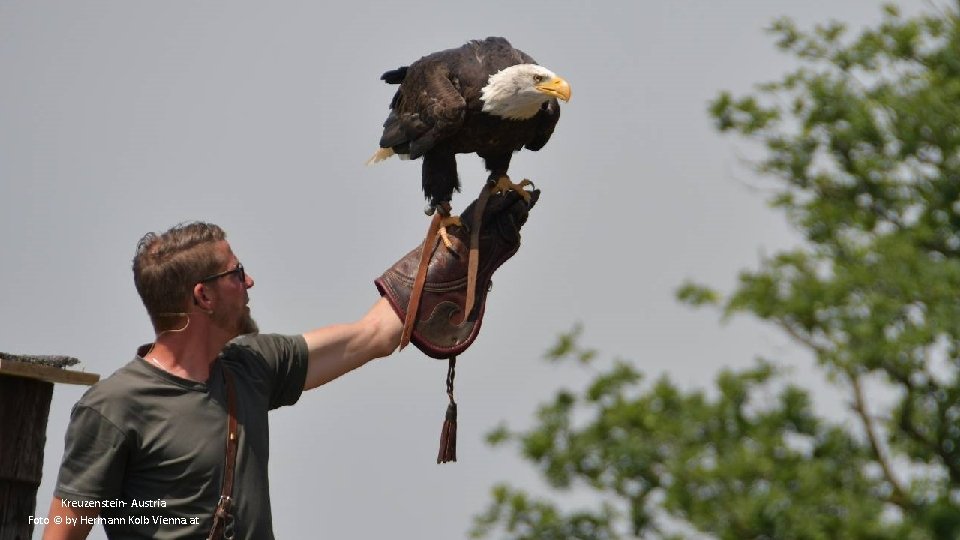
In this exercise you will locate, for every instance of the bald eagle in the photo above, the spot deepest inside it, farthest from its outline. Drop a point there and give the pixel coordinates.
(485, 97)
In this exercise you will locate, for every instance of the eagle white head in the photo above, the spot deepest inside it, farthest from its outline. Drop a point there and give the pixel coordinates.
(517, 92)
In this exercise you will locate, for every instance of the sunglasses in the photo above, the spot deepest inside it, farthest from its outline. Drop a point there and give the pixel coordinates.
(236, 270)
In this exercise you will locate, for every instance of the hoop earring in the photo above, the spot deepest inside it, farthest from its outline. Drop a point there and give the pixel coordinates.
(175, 330)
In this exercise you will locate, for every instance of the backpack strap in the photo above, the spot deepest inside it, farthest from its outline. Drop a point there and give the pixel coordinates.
(223, 514)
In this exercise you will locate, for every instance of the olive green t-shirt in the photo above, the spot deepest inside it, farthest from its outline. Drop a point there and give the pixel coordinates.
(148, 448)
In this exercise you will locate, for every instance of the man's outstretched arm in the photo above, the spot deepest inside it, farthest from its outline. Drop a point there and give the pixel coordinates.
(340, 348)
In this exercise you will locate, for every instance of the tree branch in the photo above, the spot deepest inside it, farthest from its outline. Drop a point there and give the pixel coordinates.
(806, 341)
(899, 495)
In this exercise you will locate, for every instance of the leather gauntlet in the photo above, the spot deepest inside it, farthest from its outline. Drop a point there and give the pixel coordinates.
(440, 329)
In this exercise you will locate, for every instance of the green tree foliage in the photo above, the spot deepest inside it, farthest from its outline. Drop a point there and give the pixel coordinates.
(862, 144)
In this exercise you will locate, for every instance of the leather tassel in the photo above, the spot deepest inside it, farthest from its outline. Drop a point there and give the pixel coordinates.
(448, 435)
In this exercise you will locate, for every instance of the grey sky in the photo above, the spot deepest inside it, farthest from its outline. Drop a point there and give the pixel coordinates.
(121, 117)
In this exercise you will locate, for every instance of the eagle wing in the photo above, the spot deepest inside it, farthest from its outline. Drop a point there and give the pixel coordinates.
(546, 120)
(427, 108)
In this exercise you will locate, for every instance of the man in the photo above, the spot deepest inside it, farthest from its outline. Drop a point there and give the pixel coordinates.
(145, 449)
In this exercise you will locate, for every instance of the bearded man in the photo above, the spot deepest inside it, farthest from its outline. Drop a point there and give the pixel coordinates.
(145, 449)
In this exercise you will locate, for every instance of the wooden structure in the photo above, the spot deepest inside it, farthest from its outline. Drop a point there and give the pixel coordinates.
(26, 388)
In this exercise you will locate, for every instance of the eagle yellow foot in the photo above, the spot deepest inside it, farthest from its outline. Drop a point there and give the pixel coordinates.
(446, 220)
(504, 184)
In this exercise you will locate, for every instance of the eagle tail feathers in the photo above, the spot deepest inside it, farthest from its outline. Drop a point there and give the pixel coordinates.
(395, 76)
(380, 155)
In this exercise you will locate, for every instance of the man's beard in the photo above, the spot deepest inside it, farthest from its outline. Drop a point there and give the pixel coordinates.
(247, 325)
(240, 325)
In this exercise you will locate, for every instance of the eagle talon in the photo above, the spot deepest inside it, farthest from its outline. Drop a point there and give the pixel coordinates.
(504, 184)
(446, 220)
(445, 238)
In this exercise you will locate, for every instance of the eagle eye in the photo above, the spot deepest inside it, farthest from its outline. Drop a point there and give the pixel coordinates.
(539, 79)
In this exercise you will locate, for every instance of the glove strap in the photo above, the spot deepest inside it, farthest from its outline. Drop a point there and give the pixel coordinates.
(473, 259)
(413, 305)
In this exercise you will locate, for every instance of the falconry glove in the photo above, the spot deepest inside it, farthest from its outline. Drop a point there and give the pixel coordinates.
(440, 329)
(441, 290)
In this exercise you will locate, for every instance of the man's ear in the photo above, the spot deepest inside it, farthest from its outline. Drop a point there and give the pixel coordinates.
(201, 299)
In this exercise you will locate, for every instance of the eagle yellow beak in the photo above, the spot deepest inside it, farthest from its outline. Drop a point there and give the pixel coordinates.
(557, 88)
